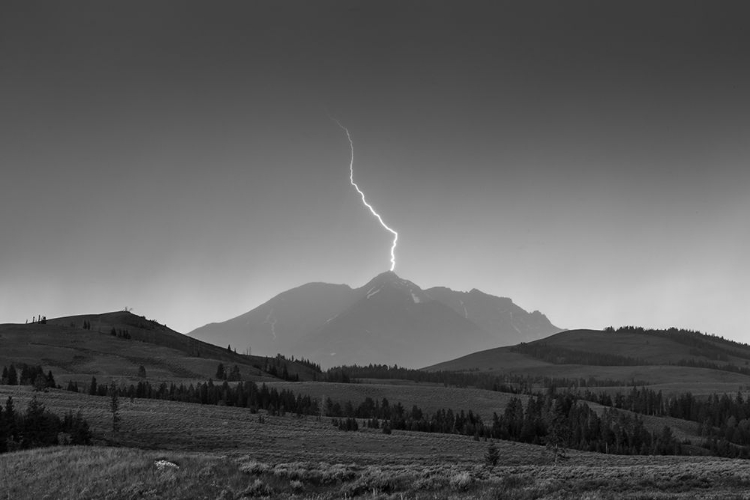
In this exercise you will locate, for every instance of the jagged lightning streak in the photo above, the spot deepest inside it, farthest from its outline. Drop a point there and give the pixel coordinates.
(372, 210)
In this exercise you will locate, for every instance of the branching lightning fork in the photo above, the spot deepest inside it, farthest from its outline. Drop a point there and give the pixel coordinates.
(372, 210)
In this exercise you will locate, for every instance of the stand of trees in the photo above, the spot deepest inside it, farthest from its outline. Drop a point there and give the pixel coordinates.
(27, 375)
(38, 427)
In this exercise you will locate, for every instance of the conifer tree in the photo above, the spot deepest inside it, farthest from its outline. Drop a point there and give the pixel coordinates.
(114, 406)
(492, 457)
(12, 376)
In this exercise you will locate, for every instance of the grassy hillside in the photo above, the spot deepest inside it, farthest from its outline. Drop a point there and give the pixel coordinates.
(72, 352)
(656, 359)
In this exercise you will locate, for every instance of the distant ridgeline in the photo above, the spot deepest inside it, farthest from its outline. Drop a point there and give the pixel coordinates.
(717, 351)
(703, 344)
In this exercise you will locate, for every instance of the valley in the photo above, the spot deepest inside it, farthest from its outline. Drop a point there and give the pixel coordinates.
(268, 450)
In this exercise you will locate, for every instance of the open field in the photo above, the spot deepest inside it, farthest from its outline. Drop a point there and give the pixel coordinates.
(125, 473)
(226, 452)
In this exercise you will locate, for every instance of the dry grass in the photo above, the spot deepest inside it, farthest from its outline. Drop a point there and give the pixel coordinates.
(226, 452)
(121, 473)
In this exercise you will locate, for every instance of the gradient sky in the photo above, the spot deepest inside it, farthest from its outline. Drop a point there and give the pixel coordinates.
(587, 159)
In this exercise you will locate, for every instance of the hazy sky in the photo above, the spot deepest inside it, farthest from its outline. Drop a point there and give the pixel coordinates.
(587, 159)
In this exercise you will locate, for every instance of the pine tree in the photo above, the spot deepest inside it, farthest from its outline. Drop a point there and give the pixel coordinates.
(92, 387)
(3, 433)
(114, 406)
(492, 457)
(12, 376)
(9, 423)
(40, 383)
(220, 373)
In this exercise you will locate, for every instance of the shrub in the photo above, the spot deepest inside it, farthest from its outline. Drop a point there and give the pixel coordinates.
(253, 467)
(460, 481)
(258, 489)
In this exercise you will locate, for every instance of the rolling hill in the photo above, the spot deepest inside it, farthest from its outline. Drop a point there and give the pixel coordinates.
(675, 360)
(114, 346)
(388, 320)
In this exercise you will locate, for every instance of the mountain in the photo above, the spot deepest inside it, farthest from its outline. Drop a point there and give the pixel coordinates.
(279, 324)
(393, 321)
(388, 320)
(496, 314)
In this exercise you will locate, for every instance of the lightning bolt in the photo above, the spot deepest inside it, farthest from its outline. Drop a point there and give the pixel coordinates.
(362, 194)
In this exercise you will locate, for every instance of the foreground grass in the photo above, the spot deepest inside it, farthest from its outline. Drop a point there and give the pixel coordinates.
(122, 473)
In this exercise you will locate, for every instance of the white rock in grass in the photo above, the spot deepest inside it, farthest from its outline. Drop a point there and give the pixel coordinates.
(162, 465)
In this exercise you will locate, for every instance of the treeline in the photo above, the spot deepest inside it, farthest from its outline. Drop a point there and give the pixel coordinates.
(279, 366)
(563, 421)
(552, 419)
(723, 421)
(241, 394)
(702, 343)
(515, 384)
(565, 356)
(699, 363)
(27, 375)
(558, 420)
(38, 427)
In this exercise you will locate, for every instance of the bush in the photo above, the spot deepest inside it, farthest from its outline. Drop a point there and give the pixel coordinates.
(253, 467)
(461, 481)
(258, 489)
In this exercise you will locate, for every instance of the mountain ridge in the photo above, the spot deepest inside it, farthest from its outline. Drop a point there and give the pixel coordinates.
(387, 320)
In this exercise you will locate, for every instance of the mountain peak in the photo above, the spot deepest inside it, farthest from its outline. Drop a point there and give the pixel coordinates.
(388, 277)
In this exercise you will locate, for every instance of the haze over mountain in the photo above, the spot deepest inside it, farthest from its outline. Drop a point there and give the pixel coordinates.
(388, 320)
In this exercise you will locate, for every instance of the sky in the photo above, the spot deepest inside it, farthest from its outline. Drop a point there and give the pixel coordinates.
(587, 159)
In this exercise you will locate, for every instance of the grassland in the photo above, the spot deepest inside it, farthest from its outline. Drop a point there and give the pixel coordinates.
(74, 353)
(123, 473)
(226, 452)
(231, 453)
(659, 356)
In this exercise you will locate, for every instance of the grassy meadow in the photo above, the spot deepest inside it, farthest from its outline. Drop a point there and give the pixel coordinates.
(127, 473)
(225, 452)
